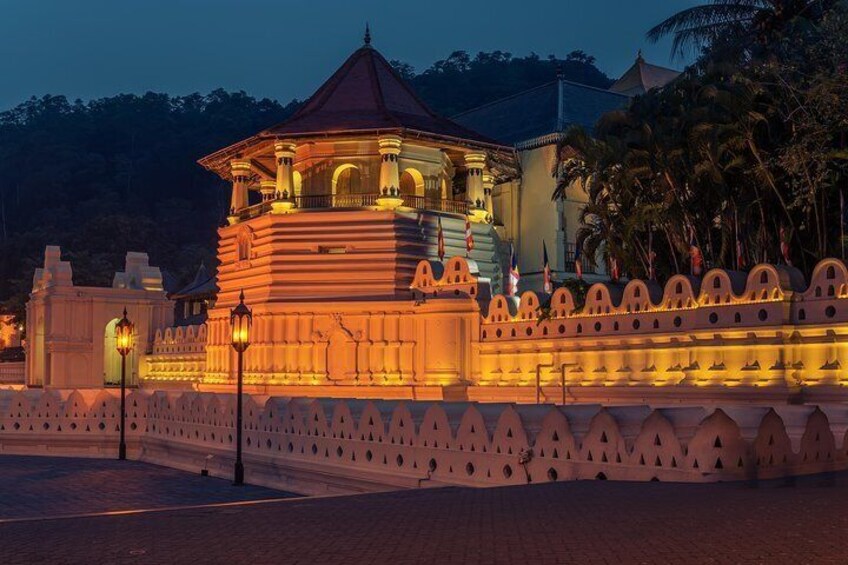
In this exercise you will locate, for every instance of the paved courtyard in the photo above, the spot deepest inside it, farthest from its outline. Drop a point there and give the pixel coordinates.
(582, 522)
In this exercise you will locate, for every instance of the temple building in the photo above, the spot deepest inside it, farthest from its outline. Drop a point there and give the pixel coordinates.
(369, 237)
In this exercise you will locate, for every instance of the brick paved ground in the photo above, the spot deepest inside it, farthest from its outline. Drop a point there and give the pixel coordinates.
(49, 486)
(585, 522)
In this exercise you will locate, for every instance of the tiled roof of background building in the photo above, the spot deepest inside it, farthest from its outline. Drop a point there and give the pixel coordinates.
(542, 111)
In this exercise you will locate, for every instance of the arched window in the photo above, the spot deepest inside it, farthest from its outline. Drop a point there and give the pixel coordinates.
(831, 272)
(678, 288)
(243, 246)
(716, 282)
(764, 278)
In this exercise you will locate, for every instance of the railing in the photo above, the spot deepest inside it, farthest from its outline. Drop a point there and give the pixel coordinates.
(12, 372)
(569, 267)
(324, 201)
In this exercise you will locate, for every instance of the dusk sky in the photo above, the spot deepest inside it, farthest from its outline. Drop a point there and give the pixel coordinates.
(285, 49)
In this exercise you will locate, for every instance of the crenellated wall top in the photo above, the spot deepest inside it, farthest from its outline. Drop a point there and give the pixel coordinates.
(181, 335)
(690, 301)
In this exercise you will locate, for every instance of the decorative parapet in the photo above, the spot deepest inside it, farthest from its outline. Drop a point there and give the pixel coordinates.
(313, 446)
(457, 277)
(769, 296)
(763, 329)
(178, 354)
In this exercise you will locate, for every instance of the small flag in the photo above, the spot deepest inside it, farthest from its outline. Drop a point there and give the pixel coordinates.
(469, 237)
(578, 263)
(842, 222)
(514, 275)
(549, 285)
(652, 275)
(740, 250)
(696, 259)
(441, 241)
(615, 274)
(784, 247)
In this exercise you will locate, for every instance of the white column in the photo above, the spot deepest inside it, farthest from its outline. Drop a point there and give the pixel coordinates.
(284, 151)
(389, 173)
(241, 176)
(475, 162)
(488, 186)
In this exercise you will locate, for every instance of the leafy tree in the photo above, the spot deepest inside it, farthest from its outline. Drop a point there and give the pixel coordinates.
(749, 150)
(723, 27)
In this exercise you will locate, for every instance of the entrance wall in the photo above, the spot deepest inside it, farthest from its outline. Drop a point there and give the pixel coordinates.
(68, 324)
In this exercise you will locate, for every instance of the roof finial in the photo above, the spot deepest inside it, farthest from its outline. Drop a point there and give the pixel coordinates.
(367, 34)
(639, 58)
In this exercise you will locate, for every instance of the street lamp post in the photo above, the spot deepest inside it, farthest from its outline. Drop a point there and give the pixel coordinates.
(124, 343)
(240, 319)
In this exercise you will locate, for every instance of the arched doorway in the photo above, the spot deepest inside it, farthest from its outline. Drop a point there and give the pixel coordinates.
(346, 180)
(411, 183)
(112, 359)
(298, 183)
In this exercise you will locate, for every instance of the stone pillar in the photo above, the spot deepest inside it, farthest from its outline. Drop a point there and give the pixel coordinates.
(389, 173)
(241, 176)
(284, 152)
(488, 186)
(475, 162)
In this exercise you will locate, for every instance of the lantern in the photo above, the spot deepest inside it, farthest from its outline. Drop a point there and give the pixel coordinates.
(124, 330)
(240, 319)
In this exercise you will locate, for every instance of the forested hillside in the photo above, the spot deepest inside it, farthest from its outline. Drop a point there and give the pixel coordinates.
(103, 177)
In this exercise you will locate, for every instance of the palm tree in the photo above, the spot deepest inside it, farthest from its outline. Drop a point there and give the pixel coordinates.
(734, 25)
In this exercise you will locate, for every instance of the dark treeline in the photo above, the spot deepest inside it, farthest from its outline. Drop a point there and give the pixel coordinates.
(120, 174)
(461, 82)
(115, 175)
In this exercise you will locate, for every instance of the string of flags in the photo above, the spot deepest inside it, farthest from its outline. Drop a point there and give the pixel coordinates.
(696, 257)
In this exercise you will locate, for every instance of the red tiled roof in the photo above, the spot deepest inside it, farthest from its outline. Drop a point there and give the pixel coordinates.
(365, 93)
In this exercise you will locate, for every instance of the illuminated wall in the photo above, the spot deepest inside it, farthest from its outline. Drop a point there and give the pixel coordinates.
(764, 336)
(748, 336)
(71, 328)
(325, 446)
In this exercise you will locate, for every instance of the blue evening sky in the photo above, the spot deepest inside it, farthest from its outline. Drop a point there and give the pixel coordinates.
(284, 49)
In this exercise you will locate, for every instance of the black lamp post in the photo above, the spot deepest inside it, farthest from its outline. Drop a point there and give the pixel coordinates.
(240, 320)
(124, 343)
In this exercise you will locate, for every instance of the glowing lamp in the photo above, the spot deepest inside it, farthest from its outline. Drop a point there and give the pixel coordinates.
(124, 330)
(241, 319)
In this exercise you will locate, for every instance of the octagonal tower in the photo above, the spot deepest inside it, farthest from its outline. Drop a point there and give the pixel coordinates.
(330, 213)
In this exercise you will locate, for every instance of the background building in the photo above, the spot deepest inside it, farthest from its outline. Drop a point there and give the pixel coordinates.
(533, 122)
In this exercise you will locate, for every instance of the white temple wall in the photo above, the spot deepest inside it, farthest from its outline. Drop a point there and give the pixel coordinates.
(342, 446)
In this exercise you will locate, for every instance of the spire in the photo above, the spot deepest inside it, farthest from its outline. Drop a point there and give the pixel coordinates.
(367, 35)
(639, 57)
